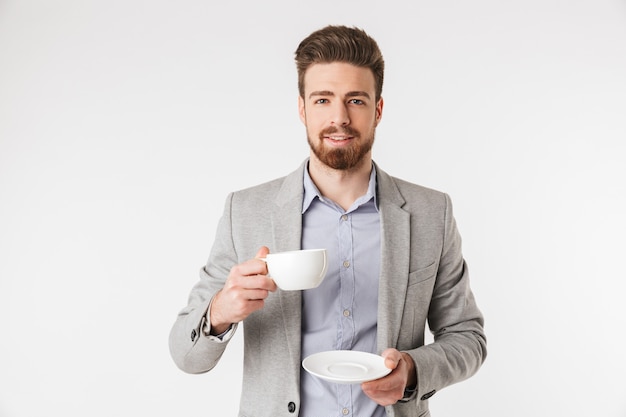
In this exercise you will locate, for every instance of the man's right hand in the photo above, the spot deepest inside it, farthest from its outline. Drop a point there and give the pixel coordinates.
(244, 292)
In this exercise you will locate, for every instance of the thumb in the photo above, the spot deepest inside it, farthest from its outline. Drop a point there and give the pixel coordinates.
(263, 251)
(392, 358)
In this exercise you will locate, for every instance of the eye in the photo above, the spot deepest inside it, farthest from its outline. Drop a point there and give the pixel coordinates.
(357, 101)
(321, 101)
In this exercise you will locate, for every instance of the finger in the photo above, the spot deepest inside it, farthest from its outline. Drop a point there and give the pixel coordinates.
(260, 282)
(249, 268)
(256, 294)
(251, 283)
(255, 266)
(383, 384)
(392, 358)
(263, 251)
(383, 396)
(385, 391)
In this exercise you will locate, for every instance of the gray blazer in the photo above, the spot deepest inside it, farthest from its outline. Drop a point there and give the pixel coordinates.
(423, 277)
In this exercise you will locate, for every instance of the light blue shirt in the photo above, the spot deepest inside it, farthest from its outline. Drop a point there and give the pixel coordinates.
(340, 314)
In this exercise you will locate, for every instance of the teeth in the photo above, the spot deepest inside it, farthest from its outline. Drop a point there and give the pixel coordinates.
(337, 138)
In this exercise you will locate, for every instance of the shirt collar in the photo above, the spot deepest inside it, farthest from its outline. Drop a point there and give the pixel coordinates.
(311, 191)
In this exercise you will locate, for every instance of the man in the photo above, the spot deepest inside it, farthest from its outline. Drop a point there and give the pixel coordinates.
(395, 262)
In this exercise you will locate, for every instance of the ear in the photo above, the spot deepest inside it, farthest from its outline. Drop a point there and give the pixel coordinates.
(379, 110)
(301, 109)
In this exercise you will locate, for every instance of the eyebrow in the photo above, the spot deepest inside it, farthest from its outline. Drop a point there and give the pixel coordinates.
(330, 93)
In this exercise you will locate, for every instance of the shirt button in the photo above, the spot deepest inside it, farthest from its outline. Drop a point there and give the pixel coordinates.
(291, 407)
(345, 411)
(346, 264)
(344, 217)
(346, 313)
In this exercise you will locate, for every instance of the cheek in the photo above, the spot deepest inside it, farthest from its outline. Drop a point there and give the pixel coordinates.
(314, 120)
(364, 122)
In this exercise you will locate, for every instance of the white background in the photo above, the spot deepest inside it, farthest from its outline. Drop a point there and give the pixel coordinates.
(124, 124)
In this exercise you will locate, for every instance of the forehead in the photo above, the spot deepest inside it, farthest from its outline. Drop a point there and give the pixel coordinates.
(338, 77)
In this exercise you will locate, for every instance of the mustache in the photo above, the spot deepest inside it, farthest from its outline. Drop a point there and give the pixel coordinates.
(347, 130)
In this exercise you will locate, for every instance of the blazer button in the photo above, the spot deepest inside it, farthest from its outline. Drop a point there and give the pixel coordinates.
(291, 407)
(193, 335)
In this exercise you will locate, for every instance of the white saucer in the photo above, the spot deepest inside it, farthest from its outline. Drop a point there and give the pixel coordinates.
(346, 366)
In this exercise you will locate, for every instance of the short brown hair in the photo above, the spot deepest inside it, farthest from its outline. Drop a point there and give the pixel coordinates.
(340, 44)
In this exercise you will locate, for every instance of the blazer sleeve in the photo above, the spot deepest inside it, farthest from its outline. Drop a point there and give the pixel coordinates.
(191, 348)
(459, 347)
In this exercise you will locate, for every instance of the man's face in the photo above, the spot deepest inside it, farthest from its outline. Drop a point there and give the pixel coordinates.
(340, 113)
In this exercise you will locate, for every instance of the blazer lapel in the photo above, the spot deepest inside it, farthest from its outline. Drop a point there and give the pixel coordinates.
(287, 229)
(395, 255)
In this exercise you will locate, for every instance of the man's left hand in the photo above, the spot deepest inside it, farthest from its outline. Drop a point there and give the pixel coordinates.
(389, 389)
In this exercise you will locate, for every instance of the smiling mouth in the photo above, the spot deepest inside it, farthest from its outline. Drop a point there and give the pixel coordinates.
(338, 138)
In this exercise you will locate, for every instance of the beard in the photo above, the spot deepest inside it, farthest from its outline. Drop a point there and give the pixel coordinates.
(344, 158)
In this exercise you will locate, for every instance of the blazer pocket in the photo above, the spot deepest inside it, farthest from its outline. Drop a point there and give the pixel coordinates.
(423, 274)
(417, 302)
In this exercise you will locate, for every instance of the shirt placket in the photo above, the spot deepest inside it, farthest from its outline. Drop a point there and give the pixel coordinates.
(346, 303)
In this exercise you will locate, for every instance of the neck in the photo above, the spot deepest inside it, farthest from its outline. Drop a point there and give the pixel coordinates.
(341, 186)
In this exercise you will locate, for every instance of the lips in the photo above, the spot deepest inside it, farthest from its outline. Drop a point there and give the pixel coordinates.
(338, 136)
(338, 141)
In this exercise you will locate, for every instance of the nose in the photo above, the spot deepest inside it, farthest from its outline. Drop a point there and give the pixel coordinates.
(340, 116)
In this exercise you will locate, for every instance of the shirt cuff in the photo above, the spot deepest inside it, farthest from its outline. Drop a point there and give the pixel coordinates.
(222, 337)
(409, 394)
(206, 329)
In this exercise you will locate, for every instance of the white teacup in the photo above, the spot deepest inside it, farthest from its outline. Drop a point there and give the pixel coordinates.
(298, 269)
